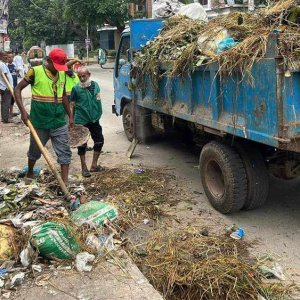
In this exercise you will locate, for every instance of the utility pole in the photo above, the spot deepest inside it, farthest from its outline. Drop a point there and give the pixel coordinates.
(87, 43)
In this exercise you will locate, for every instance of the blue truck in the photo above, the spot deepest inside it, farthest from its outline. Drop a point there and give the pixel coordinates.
(248, 131)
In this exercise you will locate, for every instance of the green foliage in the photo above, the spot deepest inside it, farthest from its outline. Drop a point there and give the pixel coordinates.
(62, 21)
(95, 12)
(39, 21)
(111, 53)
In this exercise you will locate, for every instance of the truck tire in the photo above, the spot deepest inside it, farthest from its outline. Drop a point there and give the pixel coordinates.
(143, 123)
(223, 177)
(127, 119)
(257, 176)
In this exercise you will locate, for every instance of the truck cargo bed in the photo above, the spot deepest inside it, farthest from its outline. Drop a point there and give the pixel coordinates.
(265, 110)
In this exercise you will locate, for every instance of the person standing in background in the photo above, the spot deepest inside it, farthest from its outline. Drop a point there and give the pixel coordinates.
(4, 91)
(24, 57)
(14, 73)
(18, 60)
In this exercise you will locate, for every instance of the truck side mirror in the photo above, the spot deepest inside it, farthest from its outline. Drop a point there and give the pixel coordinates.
(102, 59)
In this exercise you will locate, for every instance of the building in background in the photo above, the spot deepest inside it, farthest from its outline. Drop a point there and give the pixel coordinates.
(141, 9)
(109, 37)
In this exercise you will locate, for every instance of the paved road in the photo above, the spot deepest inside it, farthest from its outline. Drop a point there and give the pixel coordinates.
(276, 225)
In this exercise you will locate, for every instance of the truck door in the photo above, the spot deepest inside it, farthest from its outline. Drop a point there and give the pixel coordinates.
(122, 73)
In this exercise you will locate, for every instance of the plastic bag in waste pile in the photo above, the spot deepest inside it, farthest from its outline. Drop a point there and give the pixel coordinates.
(54, 241)
(194, 11)
(94, 212)
(7, 237)
(165, 8)
(208, 44)
(37, 171)
(82, 260)
(226, 44)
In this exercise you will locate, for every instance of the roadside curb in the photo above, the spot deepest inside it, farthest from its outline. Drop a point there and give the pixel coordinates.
(115, 278)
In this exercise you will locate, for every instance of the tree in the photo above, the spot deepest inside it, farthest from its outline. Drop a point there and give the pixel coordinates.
(41, 20)
(95, 12)
(62, 21)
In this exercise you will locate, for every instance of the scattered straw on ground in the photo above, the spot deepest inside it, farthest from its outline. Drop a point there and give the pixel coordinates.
(136, 196)
(186, 265)
(181, 264)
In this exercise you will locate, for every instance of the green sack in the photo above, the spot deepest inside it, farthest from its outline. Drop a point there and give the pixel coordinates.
(53, 240)
(94, 212)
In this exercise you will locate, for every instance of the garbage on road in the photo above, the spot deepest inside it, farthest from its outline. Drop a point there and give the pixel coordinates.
(27, 255)
(37, 171)
(184, 264)
(7, 240)
(55, 241)
(37, 231)
(82, 260)
(94, 213)
(18, 279)
(272, 270)
(139, 171)
(237, 234)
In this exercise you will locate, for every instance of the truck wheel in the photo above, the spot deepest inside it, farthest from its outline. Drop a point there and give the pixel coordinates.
(223, 177)
(143, 123)
(257, 176)
(127, 119)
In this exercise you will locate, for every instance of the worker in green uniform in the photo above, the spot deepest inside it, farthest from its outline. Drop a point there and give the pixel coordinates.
(49, 106)
(86, 105)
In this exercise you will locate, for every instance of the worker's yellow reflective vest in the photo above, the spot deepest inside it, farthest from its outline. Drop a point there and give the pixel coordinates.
(45, 89)
(47, 108)
(71, 81)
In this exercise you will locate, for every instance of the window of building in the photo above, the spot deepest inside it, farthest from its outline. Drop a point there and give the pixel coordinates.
(141, 6)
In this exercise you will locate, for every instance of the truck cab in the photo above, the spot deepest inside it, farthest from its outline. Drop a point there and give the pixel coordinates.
(122, 94)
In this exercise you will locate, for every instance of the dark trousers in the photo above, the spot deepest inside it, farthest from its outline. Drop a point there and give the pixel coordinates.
(97, 136)
(5, 104)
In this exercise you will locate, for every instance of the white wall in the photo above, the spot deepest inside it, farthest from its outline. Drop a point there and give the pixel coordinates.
(68, 48)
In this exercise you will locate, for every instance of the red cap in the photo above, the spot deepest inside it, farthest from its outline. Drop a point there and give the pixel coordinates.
(59, 59)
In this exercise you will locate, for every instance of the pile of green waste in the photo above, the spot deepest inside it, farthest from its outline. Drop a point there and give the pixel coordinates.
(235, 41)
